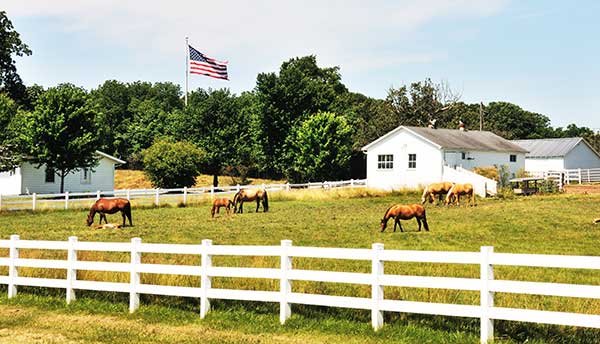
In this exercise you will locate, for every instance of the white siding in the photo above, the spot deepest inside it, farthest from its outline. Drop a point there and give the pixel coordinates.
(474, 159)
(102, 178)
(581, 157)
(403, 143)
(10, 182)
(544, 164)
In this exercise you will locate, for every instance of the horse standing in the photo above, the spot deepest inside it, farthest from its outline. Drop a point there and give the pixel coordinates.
(105, 206)
(221, 202)
(434, 189)
(459, 190)
(405, 212)
(249, 195)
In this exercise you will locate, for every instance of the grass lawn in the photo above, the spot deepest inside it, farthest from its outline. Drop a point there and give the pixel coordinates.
(558, 224)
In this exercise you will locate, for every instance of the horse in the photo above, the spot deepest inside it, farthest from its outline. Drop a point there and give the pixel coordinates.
(405, 212)
(221, 202)
(250, 195)
(105, 206)
(433, 189)
(458, 190)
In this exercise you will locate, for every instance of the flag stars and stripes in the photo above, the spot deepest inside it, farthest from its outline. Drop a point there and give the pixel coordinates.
(204, 65)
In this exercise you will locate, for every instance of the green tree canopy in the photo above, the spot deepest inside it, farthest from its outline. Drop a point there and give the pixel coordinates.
(172, 164)
(301, 88)
(321, 148)
(215, 121)
(60, 132)
(10, 45)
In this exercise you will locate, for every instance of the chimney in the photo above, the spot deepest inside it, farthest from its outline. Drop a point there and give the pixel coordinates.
(461, 125)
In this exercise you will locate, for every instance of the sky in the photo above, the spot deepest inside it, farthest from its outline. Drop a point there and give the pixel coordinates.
(542, 55)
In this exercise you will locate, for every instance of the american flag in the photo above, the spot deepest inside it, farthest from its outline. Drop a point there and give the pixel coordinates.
(204, 65)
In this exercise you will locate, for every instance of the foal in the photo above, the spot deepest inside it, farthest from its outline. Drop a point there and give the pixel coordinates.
(404, 212)
(221, 202)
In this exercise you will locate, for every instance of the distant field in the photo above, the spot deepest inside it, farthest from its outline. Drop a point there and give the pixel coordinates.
(558, 224)
(134, 179)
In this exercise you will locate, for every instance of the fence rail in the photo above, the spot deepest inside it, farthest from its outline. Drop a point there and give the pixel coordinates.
(570, 176)
(152, 196)
(487, 259)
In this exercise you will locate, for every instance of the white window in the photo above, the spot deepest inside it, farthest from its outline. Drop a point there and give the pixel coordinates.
(412, 161)
(86, 176)
(49, 175)
(385, 162)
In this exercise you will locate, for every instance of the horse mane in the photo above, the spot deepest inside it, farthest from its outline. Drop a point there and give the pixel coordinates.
(388, 210)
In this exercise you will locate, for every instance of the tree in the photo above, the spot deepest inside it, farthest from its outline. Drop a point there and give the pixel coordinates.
(321, 148)
(60, 132)
(172, 164)
(301, 88)
(11, 44)
(214, 121)
(9, 159)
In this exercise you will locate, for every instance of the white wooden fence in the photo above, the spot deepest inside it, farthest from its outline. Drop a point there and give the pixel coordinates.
(152, 196)
(571, 176)
(286, 274)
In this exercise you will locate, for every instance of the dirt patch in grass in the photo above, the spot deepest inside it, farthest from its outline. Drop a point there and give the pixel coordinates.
(583, 189)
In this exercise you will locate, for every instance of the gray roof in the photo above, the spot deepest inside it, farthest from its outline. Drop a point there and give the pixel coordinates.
(544, 148)
(457, 139)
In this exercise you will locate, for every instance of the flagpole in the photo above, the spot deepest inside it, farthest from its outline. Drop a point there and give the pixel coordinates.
(187, 66)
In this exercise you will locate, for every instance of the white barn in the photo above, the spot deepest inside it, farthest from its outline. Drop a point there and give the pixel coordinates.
(27, 179)
(411, 157)
(559, 154)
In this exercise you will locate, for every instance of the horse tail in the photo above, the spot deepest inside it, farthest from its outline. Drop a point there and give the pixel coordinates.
(449, 195)
(265, 201)
(425, 220)
(128, 212)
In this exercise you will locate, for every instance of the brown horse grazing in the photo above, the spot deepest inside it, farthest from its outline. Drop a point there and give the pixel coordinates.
(459, 190)
(249, 195)
(433, 189)
(221, 202)
(105, 206)
(405, 212)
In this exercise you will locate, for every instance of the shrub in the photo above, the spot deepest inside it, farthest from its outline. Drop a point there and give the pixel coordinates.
(172, 164)
(490, 172)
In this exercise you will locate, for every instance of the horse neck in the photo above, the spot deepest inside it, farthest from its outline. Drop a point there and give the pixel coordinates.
(92, 211)
(387, 214)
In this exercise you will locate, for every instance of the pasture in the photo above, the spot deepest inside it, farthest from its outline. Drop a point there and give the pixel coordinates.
(556, 224)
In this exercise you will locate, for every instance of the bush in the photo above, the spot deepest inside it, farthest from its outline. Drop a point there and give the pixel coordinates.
(490, 172)
(172, 164)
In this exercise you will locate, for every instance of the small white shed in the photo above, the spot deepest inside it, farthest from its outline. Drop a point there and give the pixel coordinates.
(411, 157)
(559, 154)
(27, 179)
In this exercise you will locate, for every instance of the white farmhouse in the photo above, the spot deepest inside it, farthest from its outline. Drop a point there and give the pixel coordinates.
(559, 154)
(27, 179)
(411, 157)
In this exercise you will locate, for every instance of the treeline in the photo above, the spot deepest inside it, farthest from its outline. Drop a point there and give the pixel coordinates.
(300, 123)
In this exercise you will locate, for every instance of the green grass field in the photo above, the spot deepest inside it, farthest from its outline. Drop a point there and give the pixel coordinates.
(558, 224)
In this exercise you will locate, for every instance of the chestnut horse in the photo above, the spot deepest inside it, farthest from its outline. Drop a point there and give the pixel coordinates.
(105, 206)
(221, 202)
(434, 189)
(404, 212)
(249, 195)
(459, 190)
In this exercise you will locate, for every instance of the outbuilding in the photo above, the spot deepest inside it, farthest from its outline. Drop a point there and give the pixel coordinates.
(28, 178)
(559, 154)
(411, 157)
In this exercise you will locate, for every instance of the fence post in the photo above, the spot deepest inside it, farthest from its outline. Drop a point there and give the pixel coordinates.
(579, 173)
(13, 273)
(285, 285)
(351, 183)
(287, 186)
(588, 174)
(97, 195)
(376, 288)
(134, 279)
(237, 188)
(128, 194)
(205, 279)
(67, 200)
(486, 297)
(184, 195)
(33, 201)
(157, 197)
(71, 271)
